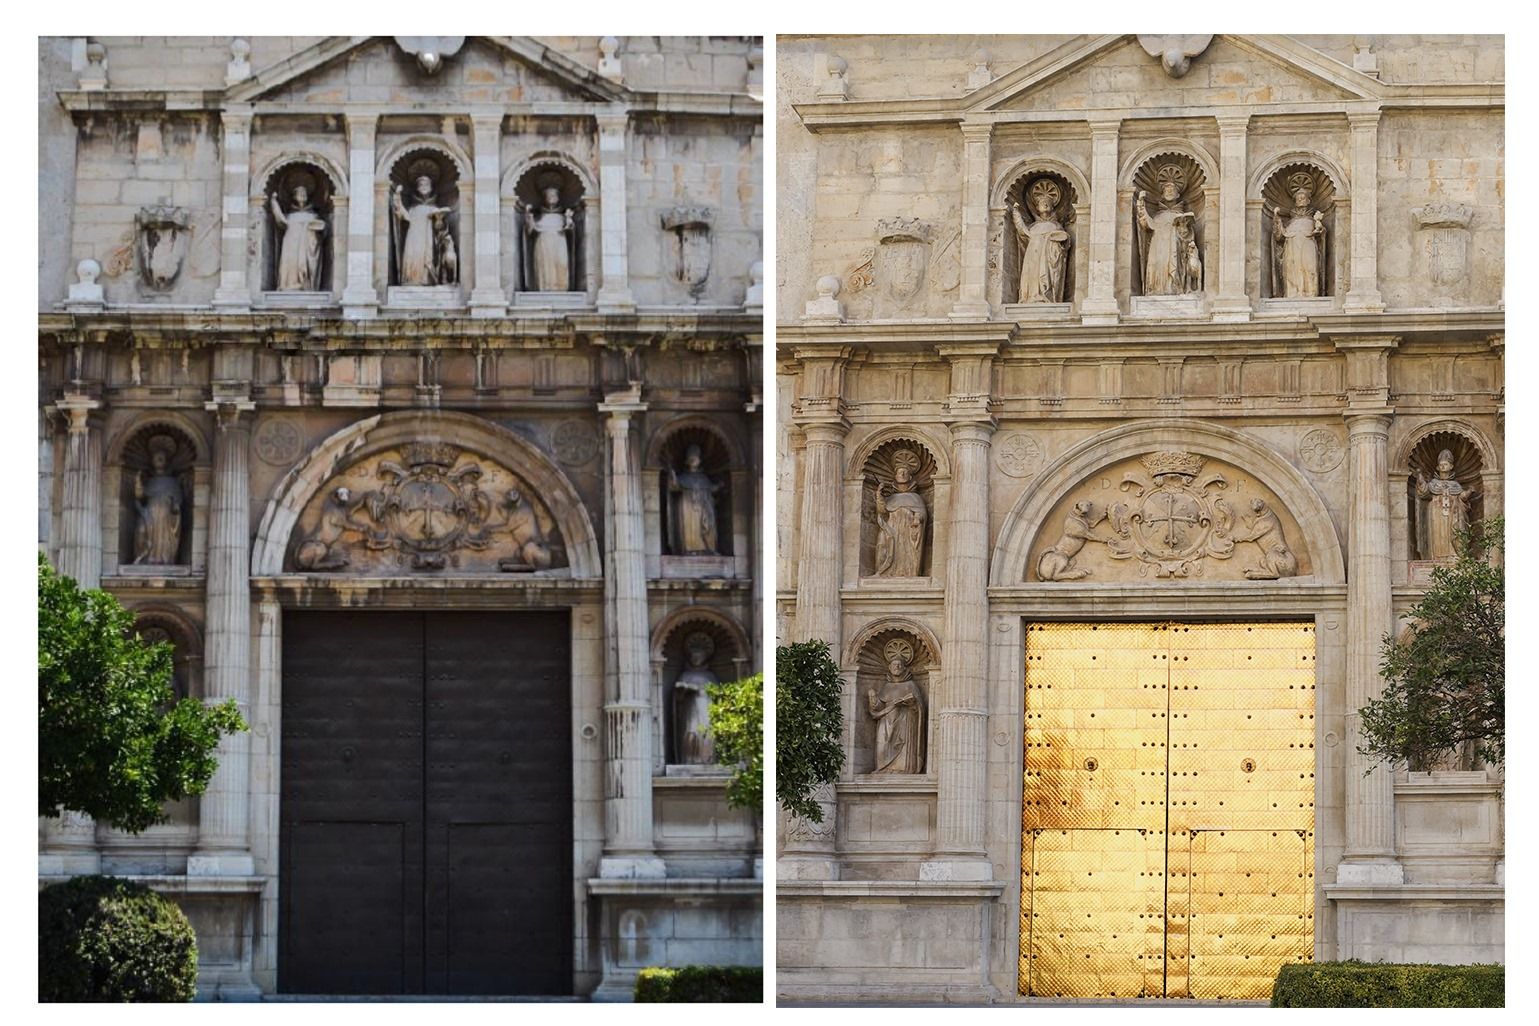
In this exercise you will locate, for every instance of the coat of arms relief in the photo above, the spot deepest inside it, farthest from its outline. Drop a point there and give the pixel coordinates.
(1168, 514)
(427, 506)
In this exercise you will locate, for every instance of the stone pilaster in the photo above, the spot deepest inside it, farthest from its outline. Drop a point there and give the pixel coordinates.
(1100, 305)
(628, 845)
(487, 298)
(961, 704)
(614, 284)
(1232, 303)
(972, 302)
(224, 846)
(359, 297)
(234, 287)
(1369, 856)
(1364, 296)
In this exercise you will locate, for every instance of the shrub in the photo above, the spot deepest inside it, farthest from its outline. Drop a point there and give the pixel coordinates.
(737, 723)
(698, 983)
(809, 726)
(104, 939)
(1389, 985)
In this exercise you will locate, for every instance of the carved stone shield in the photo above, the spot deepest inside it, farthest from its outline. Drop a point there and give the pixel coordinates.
(901, 265)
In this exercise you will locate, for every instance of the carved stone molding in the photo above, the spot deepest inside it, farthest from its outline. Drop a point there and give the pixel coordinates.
(426, 506)
(1168, 515)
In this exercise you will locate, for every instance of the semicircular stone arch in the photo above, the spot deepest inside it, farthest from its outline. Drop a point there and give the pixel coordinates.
(861, 456)
(1401, 464)
(556, 159)
(487, 492)
(1266, 172)
(1097, 512)
(1169, 147)
(322, 163)
(659, 445)
(861, 638)
(1026, 167)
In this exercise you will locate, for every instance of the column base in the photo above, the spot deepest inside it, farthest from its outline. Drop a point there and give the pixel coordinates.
(619, 301)
(221, 864)
(632, 867)
(1370, 872)
(806, 867)
(1231, 310)
(69, 863)
(960, 868)
(358, 303)
(1363, 302)
(236, 298)
(971, 310)
(1099, 311)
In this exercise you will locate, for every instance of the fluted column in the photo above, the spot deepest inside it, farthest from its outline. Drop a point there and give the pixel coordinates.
(1370, 798)
(972, 301)
(224, 847)
(614, 285)
(68, 844)
(961, 706)
(1364, 295)
(628, 846)
(1232, 303)
(234, 287)
(487, 298)
(359, 297)
(822, 543)
(1100, 305)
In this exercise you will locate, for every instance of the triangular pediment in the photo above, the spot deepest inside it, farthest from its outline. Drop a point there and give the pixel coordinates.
(1115, 72)
(375, 69)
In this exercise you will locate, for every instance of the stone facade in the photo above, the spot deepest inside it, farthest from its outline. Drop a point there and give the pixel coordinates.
(347, 436)
(1333, 320)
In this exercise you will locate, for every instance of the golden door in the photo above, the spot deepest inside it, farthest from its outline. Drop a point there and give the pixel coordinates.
(1167, 813)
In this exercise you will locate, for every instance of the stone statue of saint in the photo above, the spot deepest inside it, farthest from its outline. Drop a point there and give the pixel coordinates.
(1446, 510)
(550, 226)
(425, 253)
(1298, 243)
(898, 713)
(158, 500)
(1044, 245)
(299, 255)
(692, 507)
(1167, 239)
(900, 517)
(692, 703)
(528, 540)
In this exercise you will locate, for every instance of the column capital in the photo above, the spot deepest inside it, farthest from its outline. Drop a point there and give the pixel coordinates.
(613, 121)
(78, 412)
(236, 117)
(1369, 421)
(1386, 342)
(977, 131)
(973, 428)
(1233, 123)
(1105, 126)
(1362, 120)
(229, 411)
(825, 430)
(619, 406)
(361, 124)
(486, 117)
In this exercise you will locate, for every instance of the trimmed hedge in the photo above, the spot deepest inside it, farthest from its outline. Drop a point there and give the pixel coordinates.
(721, 983)
(1389, 985)
(100, 938)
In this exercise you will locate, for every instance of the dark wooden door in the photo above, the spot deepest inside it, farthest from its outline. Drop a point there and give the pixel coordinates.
(425, 836)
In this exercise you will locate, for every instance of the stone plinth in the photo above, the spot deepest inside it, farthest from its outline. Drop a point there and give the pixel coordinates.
(424, 297)
(1166, 307)
(550, 300)
(696, 567)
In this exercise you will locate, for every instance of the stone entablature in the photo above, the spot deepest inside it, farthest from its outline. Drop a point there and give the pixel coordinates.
(1409, 189)
(295, 185)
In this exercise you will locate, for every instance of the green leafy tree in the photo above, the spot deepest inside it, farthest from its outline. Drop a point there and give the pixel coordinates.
(737, 725)
(113, 742)
(809, 725)
(1446, 675)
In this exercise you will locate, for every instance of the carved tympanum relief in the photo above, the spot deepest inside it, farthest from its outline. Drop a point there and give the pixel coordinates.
(427, 506)
(1041, 212)
(1168, 514)
(162, 235)
(891, 679)
(549, 201)
(298, 212)
(1169, 224)
(1298, 203)
(1444, 471)
(897, 501)
(157, 482)
(424, 220)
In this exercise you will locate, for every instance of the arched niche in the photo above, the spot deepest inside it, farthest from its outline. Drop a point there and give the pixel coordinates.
(1171, 183)
(1305, 179)
(724, 465)
(325, 203)
(1031, 181)
(890, 732)
(443, 173)
(1442, 500)
(157, 481)
(897, 509)
(165, 624)
(550, 201)
(1038, 520)
(730, 658)
(675, 463)
(468, 463)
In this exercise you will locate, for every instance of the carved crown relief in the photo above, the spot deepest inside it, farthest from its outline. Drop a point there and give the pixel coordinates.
(1168, 515)
(426, 506)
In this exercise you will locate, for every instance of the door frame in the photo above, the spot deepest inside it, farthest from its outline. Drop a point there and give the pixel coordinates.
(583, 598)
